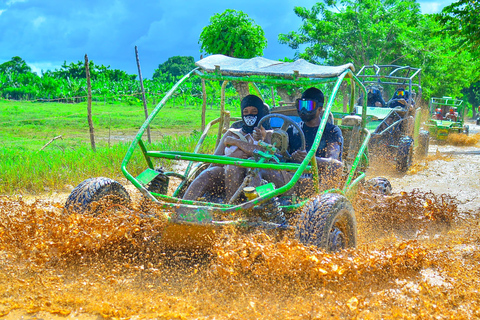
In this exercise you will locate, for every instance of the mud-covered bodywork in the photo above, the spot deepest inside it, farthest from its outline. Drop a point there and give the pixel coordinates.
(395, 127)
(190, 217)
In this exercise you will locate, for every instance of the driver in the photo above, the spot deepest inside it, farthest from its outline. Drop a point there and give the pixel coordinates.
(328, 154)
(237, 143)
(374, 98)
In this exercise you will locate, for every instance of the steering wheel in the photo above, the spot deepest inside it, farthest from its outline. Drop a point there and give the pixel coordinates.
(281, 133)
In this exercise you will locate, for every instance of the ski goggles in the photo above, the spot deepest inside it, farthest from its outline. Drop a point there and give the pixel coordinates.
(307, 105)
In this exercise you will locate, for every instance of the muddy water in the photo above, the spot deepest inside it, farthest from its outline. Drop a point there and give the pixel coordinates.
(418, 257)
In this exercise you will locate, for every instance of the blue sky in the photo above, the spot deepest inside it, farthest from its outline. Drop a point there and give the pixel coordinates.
(45, 33)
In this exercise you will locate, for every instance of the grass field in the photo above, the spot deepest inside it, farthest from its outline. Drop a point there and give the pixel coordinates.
(30, 125)
(26, 127)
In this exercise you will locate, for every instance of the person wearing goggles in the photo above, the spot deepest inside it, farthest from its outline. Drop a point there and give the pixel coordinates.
(329, 152)
(310, 110)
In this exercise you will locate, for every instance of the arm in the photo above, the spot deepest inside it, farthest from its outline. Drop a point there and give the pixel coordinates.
(246, 147)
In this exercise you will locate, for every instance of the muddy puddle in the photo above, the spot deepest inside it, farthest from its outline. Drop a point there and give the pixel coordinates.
(417, 258)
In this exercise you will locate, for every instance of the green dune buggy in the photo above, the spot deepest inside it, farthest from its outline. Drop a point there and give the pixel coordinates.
(395, 125)
(326, 219)
(446, 116)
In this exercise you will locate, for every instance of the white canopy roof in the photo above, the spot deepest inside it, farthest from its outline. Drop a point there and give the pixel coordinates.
(263, 66)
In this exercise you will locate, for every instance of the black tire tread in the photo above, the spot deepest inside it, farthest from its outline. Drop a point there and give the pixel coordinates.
(317, 216)
(92, 190)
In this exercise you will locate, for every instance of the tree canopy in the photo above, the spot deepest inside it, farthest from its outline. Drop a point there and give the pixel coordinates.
(367, 32)
(15, 66)
(363, 32)
(461, 20)
(174, 67)
(234, 34)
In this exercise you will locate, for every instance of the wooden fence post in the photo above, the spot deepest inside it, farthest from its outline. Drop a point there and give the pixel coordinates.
(143, 94)
(89, 104)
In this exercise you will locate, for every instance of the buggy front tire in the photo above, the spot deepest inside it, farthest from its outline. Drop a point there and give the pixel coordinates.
(93, 190)
(328, 221)
(379, 185)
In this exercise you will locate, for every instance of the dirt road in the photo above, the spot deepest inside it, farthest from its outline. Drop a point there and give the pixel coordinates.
(454, 170)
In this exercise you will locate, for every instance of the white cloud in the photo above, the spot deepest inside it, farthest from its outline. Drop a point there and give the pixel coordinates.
(1, 11)
(38, 21)
(39, 66)
(10, 2)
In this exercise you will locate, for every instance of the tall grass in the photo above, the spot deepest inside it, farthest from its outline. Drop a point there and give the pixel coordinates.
(34, 172)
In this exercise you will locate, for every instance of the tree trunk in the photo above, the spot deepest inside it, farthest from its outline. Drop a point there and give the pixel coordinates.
(345, 91)
(288, 97)
(89, 104)
(241, 88)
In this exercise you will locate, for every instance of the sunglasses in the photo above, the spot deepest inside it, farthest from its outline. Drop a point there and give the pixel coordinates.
(307, 105)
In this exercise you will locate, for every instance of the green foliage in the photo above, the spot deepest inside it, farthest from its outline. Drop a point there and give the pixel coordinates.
(174, 68)
(472, 95)
(461, 20)
(363, 32)
(15, 66)
(234, 34)
(445, 71)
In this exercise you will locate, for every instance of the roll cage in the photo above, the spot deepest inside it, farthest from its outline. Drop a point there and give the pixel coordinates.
(256, 70)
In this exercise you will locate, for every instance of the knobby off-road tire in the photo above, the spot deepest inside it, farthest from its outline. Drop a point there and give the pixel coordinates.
(423, 144)
(404, 154)
(379, 185)
(93, 190)
(328, 221)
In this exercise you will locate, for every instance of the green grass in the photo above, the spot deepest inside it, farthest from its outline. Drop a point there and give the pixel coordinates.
(30, 125)
(33, 172)
(26, 127)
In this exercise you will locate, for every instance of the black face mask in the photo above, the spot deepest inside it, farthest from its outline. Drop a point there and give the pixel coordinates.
(250, 121)
(308, 116)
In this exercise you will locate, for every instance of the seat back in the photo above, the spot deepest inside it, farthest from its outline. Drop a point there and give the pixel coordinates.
(350, 126)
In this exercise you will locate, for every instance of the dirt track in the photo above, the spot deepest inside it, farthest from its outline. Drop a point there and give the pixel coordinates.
(454, 170)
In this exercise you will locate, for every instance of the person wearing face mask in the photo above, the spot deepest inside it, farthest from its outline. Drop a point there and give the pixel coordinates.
(328, 154)
(237, 143)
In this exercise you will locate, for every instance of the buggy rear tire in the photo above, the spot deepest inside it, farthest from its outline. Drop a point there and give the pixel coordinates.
(328, 221)
(404, 154)
(423, 144)
(93, 190)
(466, 130)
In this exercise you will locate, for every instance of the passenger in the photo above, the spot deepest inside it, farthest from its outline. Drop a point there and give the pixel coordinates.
(451, 115)
(328, 154)
(237, 143)
(438, 114)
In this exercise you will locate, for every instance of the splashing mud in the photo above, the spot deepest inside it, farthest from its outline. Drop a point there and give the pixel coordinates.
(459, 139)
(417, 258)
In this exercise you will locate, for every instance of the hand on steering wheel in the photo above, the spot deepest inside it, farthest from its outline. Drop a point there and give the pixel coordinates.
(287, 122)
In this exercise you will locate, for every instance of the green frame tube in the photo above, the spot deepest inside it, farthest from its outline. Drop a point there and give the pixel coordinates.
(308, 165)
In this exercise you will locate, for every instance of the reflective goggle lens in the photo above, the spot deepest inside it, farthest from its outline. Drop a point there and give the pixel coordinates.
(307, 105)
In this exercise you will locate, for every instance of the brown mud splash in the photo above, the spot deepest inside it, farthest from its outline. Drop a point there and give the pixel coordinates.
(114, 266)
(459, 139)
